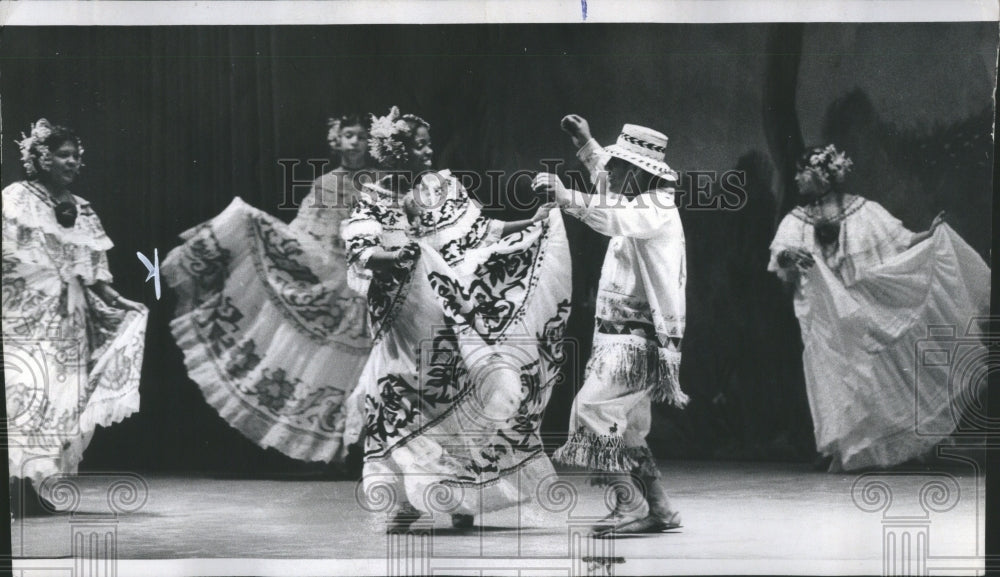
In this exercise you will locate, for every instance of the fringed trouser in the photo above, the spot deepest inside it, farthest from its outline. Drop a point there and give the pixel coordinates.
(611, 414)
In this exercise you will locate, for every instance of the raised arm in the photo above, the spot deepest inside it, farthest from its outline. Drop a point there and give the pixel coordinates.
(589, 151)
(641, 217)
(510, 227)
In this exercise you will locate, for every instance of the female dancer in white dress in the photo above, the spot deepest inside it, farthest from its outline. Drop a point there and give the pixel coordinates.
(866, 292)
(468, 314)
(73, 347)
(269, 328)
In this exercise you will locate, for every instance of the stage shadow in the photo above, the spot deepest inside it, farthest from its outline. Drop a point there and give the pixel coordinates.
(639, 535)
(473, 531)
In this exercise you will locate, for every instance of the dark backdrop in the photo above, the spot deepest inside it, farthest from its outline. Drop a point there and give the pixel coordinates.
(176, 121)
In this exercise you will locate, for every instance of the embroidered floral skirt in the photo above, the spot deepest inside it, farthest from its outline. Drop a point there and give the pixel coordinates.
(71, 364)
(893, 361)
(466, 354)
(269, 329)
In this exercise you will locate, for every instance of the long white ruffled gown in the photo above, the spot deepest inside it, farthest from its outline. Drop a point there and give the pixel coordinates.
(71, 361)
(870, 310)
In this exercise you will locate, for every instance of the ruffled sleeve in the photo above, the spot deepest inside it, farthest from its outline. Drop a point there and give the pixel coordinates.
(791, 234)
(886, 229)
(869, 237)
(102, 272)
(494, 231)
(361, 233)
(451, 221)
(9, 247)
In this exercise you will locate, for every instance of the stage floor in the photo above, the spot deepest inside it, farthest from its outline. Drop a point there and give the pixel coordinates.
(737, 517)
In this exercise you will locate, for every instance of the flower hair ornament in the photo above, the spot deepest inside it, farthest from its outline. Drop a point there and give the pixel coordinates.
(830, 164)
(333, 134)
(35, 152)
(388, 135)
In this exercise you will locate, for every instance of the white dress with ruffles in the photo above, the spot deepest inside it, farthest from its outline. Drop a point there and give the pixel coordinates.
(71, 361)
(471, 306)
(868, 311)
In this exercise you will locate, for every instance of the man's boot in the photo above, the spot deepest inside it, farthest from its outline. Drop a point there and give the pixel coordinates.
(628, 503)
(660, 516)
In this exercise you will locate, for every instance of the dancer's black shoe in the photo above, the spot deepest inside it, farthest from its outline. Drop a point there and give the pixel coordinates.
(401, 520)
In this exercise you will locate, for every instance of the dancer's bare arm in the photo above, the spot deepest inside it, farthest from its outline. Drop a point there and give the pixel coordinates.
(922, 236)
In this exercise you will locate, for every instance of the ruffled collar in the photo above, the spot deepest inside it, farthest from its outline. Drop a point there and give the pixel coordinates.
(30, 208)
(432, 180)
(43, 194)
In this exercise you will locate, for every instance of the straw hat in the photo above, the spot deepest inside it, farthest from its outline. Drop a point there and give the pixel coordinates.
(644, 148)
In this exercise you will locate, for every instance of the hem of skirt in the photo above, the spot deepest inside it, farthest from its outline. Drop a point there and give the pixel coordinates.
(40, 468)
(881, 453)
(903, 443)
(120, 410)
(202, 369)
(510, 487)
